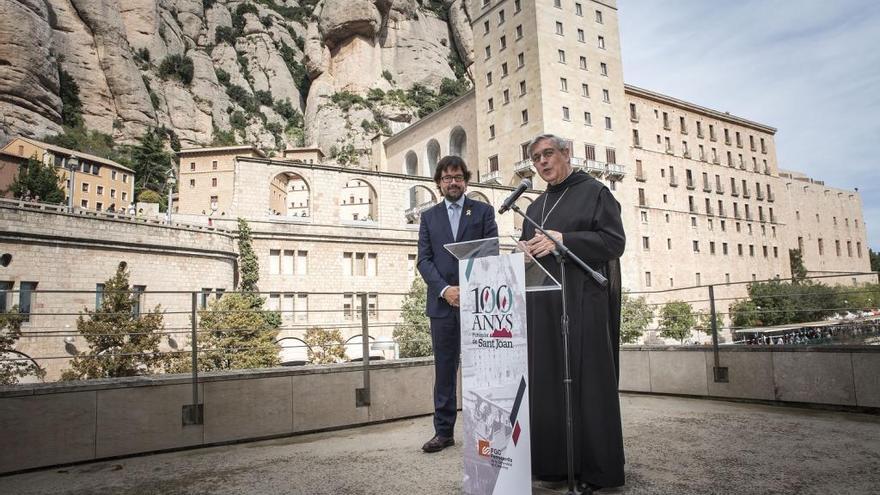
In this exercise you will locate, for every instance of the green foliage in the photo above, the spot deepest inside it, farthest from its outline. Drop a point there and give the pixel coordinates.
(238, 121)
(238, 20)
(225, 34)
(413, 334)
(121, 342)
(249, 267)
(345, 100)
(235, 333)
(92, 142)
(36, 179)
(635, 315)
(266, 21)
(151, 162)
(375, 94)
(240, 96)
(875, 260)
(71, 105)
(10, 332)
(263, 97)
(148, 196)
(796, 262)
(301, 13)
(223, 138)
(783, 302)
(457, 65)
(293, 116)
(745, 314)
(142, 54)
(344, 154)
(387, 75)
(438, 7)
(297, 70)
(222, 76)
(177, 66)
(325, 346)
(676, 320)
(207, 4)
(704, 323)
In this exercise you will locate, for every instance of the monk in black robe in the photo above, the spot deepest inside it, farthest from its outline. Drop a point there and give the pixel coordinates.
(581, 212)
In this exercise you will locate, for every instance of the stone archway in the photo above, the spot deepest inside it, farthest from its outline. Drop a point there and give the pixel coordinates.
(289, 196)
(359, 202)
(432, 155)
(458, 142)
(411, 163)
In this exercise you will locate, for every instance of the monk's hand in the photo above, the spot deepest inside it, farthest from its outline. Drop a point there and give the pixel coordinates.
(541, 245)
(451, 296)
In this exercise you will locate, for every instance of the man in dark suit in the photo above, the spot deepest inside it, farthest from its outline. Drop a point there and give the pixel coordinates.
(455, 219)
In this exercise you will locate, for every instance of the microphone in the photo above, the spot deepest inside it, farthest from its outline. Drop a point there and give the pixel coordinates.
(523, 186)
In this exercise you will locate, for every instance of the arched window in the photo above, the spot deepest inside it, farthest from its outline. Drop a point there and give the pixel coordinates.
(358, 202)
(420, 198)
(478, 196)
(433, 156)
(458, 142)
(289, 196)
(294, 351)
(412, 163)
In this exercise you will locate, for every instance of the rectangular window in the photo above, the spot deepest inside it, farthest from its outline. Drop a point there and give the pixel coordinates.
(559, 29)
(603, 68)
(608, 123)
(274, 261)
(583, 63)
(26, 299)
(84, 203)
(601, 40)
(505, 96)
(647, 279)
(525, 116)
(517, 6)
(99, 190)
(125, 194)
(563, 84)
(491, 132)
(301, 308)
(590, 152)
(485, 23)
(137, 292)
(500, 17)
(561, 54)
(491, 104)
(578, 9)
(646, 243)
(606, 96)
(503, 43)
(348, 306)
(588, 118)
(599, 16)
(565, 114)
(488, 79)
(488, 51)
(203, 297)
(522, 88)
(520, 60)
(519, 32)
(581, 37)
(585, 90)
(214, 165)
(113, 173)
(85, 187)
(192, 183)
(493, 163)
(213, 182)
(372, 266)
(610, 156)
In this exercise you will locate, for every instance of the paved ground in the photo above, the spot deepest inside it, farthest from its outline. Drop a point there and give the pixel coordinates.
(673, 446)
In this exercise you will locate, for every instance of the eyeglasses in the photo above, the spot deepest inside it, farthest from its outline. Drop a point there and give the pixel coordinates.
(547, 153)
(452, 178)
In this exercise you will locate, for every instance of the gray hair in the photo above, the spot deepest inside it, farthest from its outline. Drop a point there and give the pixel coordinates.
(558, 142)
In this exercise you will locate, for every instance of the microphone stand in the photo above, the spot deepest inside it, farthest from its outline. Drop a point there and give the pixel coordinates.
(561, 253)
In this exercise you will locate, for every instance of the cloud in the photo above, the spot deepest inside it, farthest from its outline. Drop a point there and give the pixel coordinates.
(810, 68)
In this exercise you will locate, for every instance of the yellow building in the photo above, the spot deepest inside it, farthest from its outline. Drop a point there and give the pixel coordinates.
(98, 183)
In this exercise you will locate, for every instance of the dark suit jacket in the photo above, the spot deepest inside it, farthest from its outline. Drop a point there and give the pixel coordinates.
(437, 266)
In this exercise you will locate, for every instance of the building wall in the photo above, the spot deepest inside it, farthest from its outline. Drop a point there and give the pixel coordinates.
(205, 174)
(111, 186)
(434, 131)
(68, 252)
(815, 211)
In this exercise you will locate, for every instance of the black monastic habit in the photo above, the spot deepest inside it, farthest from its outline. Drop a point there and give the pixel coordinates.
(588, 216)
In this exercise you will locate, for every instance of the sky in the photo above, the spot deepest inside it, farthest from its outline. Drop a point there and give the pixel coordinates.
(809, 68)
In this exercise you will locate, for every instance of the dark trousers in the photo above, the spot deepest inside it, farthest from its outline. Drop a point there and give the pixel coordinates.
(446, 340)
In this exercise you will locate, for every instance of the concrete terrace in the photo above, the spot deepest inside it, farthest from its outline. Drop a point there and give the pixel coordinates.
(674, 446)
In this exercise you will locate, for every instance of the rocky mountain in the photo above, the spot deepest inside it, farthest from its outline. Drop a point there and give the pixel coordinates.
(275, 73)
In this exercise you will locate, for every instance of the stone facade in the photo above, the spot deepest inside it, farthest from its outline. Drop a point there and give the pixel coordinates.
(73, 253)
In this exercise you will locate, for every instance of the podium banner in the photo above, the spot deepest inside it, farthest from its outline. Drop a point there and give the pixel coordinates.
(494, 369)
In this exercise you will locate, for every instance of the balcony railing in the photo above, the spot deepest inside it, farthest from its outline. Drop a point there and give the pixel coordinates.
(413, 214)
(690, 184)
(719, 188)
(709, 211)
(771, 197)
(492, 176)
(734, 191)
(611, 171)
(759, 195)
(707, 187)
(746, 193)
(673, 181)
(716, 161)
(640, 176)
(686, 154)
(524, 168)
(615, 171)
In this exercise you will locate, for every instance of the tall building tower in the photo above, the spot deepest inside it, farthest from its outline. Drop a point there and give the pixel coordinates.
(548, 66)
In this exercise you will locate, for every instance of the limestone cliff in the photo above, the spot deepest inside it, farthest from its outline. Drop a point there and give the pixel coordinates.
(275, 73)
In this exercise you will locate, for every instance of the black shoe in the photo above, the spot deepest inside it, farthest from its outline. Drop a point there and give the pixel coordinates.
(438, 443)
(587, 488)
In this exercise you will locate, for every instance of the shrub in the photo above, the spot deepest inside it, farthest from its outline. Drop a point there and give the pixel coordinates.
(149, 196)
(325, 346)
(225, 34)
(238, 121)
(346, 99)
(222, 76)
(71, 105)
(263, 97)
(177, 66)
(387, 75)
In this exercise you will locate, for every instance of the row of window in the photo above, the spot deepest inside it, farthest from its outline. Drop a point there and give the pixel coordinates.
(697, 279)
(669, 148)
(695, 245)
(837, 247)
(192, 182)
(99, 190)
(797, 214)
(25, 297)
(710, 224)
(683, 129)
(192, 165)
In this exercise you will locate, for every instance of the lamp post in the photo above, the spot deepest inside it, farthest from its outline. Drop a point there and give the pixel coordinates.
(71, 165)
(171, 181)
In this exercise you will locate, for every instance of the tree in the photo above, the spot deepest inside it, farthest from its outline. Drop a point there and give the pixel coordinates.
(745, 314)
(796, 262)
(325, 346)
(71, 105)
(635, 315)
(676, 320)
(121, 341)
(413, 334)
(177, 66)
(249, 267)
(36, 179)
(10, 332)
(151, 162)
(704, 323)
(875, 260)
(235, 333)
